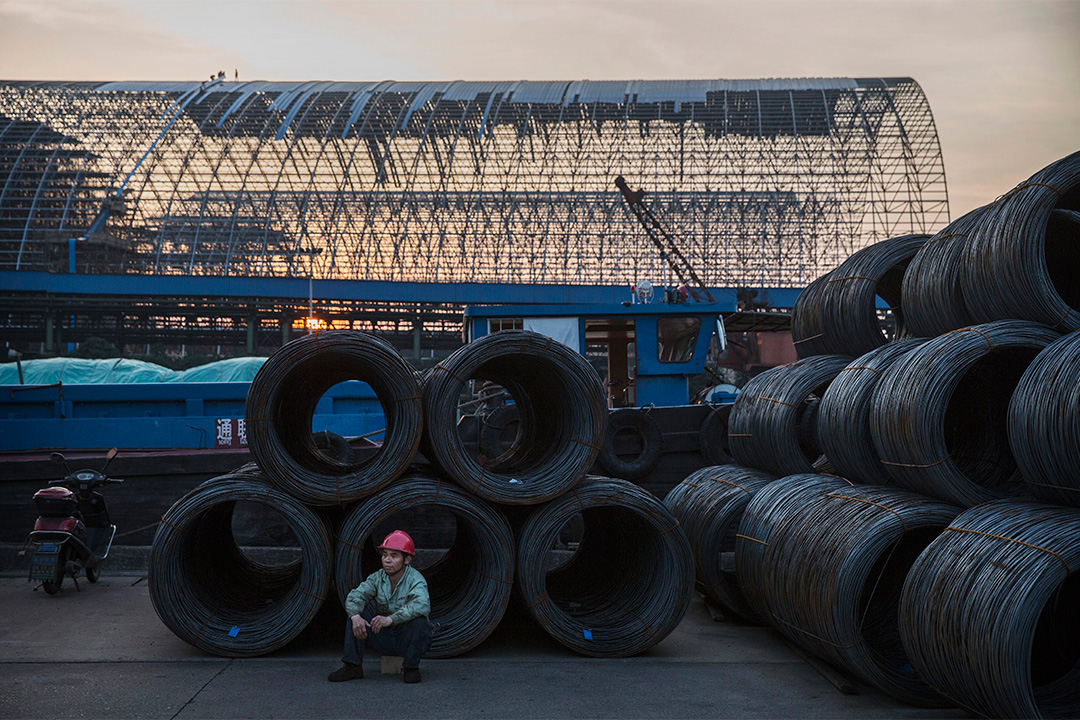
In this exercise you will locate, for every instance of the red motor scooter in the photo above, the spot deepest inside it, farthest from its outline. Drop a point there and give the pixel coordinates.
(73, 532)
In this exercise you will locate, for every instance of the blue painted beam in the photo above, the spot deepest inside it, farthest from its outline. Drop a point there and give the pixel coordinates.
(150, 286)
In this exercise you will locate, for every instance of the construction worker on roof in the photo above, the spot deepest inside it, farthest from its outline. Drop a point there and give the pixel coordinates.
(389, 612)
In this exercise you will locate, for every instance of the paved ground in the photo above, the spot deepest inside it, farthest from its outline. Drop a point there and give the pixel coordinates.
(103, 653)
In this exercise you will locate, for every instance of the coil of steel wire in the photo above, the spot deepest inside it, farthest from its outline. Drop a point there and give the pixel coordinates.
(708, 505)
(844, 414)
(988, 611)
(281, 404)
(1025, 256)
(829, 568)
(807, 319)
(213, 596)
(939, 414)
(562, 414)
(1044, 423)
(933, 298)
(849, 315)
(469, 586)
(628, 584)
(763, 429)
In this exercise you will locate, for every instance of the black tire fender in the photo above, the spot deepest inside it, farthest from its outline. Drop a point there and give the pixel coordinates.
(713, 437)
(652, 440)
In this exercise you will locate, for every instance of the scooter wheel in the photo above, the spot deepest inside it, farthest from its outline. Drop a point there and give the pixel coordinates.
(93, 573)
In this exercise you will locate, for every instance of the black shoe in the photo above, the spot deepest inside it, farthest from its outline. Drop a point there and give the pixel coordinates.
(348, 671)
(411, 675)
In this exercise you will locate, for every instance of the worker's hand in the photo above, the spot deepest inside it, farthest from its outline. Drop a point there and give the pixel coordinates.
(360, 627)
(379, 622)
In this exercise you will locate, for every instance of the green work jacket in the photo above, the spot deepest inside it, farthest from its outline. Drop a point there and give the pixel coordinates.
(410, 599)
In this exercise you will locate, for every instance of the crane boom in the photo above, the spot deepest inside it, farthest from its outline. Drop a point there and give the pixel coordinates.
(663, 240)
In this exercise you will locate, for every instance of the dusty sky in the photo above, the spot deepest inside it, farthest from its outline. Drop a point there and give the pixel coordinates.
(1003, 78)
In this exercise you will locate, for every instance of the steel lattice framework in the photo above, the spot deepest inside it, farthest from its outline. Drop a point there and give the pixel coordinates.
(768, 183)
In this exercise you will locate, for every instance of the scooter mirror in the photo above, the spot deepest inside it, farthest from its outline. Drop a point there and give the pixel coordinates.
(108, 459)
(58, 458)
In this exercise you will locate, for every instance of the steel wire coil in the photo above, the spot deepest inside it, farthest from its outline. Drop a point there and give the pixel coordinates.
(849, 320)
(469, 586)
(938, 416)
(1023, 257)
(807, 319)
(844, 415)
(827, 567)
(933, 297)
(1044, 423)
(211, 595)
(708, 505)
(562, 415)
(988, 611)
(763, 429)
(630, 581)
(281, 404)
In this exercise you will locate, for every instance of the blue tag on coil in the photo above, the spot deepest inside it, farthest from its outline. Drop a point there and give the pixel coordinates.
(588, 634)
(234, 631)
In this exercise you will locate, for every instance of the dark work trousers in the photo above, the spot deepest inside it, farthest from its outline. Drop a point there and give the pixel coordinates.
(411, 640)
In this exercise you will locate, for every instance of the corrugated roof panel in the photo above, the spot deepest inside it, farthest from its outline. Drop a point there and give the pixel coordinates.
(423, 96)
(539, 91)
(603, 91)
(467, 91)
(363, 93)
(298, 102)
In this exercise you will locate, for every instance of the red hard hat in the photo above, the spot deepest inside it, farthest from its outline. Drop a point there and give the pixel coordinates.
(398, 540)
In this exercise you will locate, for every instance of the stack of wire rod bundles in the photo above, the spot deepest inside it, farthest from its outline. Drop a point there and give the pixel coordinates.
(843, 428)
(281, 403)
(1044, 423)
(211, 595)
(829, 568)
(989, 616)
(562, 410)
(939, 413)
(709, 504)
(771, 423)
(469, 586)
(629, 582)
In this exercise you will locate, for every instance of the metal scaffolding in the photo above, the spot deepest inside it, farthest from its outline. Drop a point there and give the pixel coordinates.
(767, 183)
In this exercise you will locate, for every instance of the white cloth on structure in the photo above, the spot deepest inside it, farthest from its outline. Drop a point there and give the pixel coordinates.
(565, 330)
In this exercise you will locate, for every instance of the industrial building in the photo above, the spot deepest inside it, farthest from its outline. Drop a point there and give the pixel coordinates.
(218, 212)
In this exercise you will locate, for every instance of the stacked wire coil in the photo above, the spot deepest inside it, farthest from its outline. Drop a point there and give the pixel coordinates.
(850, 323)
(1044, 423)
(281, 404)
(709, 504)
(933, 297)
(829, 572)
(211, 595)
(844, 414)
(939, 413)
(1022, 257)
(988, 611)
(629, 582)
(469, 586)
(763, 429)
(808, 319)
(562, 415)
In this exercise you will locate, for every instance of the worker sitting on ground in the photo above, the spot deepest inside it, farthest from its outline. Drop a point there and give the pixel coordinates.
(388, 611)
